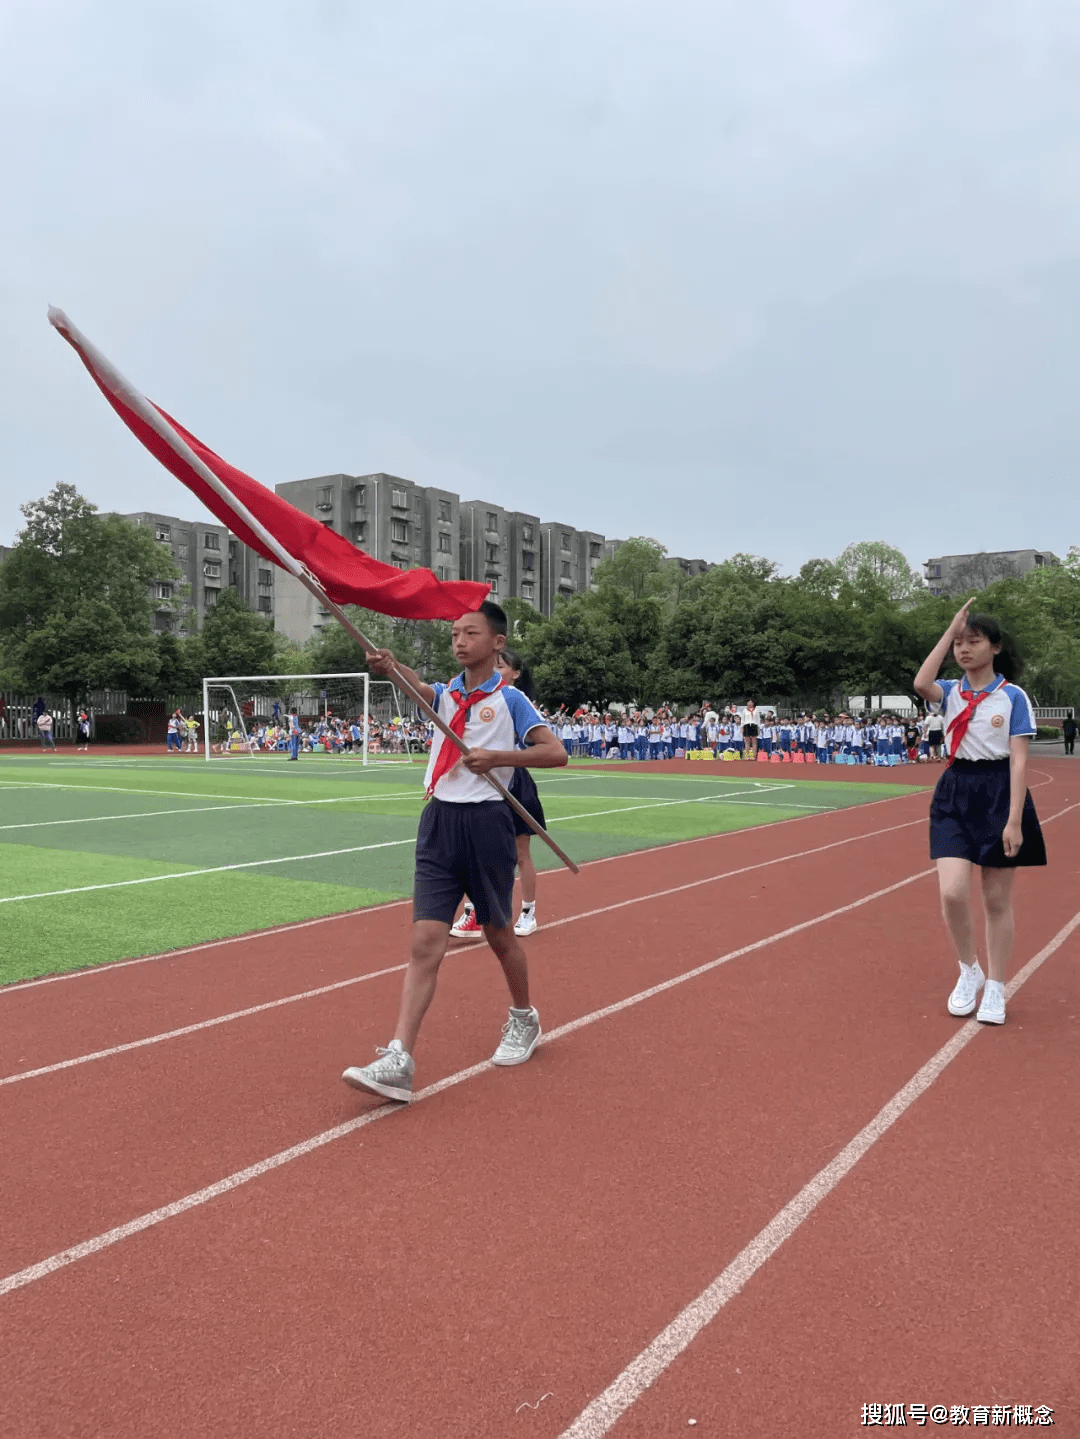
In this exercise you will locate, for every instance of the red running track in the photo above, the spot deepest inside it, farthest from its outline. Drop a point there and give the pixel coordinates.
(529, 1232)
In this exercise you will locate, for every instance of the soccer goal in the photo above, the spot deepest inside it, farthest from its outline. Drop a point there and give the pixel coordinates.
(352, 715)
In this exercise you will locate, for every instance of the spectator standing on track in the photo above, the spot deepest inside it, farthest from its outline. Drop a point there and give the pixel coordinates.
(83, 730)
(466, 844)
(982, 815)
(1068, 733)
(935, 734)
(45, 730)
(750, 729)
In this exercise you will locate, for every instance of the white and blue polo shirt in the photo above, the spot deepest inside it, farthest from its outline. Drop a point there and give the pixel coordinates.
(501, 722)
(1004, 713)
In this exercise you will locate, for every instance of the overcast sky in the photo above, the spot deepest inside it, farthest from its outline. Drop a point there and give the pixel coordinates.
(769, 276)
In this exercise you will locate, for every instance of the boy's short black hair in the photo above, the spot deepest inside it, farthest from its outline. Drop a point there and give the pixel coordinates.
(496, 617)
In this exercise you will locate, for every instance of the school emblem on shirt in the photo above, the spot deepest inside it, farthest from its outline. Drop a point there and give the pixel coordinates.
(998, 721)
(486, 715)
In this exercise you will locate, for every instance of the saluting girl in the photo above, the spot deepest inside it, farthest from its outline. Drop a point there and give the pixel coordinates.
(982, 815)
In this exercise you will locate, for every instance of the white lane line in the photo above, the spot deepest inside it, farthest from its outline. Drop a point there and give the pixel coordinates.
(361, 978)
(236, 808)
(16, 987)
(201, 1025)
(121, 1232)
(600, 1416)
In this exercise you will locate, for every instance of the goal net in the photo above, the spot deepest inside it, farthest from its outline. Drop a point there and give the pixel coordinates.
(348, 715)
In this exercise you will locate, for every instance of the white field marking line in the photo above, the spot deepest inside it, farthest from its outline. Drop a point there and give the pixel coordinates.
(249, 800)
(214, 869)
(599, 1417)
(18, 986)
(655, 804)
(360, 978)
(100, 1242)
(297, 858)
(237, 808)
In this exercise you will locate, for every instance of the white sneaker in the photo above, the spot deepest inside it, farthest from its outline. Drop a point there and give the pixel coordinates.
(962, 1000)
(521, 1035)
(391, 1075)
(526, 922)
(992, 1009)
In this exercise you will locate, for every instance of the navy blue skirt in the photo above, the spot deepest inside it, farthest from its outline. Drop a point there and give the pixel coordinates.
(523, 787)
(969, 811)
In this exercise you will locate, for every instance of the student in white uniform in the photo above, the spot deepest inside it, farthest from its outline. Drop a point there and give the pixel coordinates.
(982, 816)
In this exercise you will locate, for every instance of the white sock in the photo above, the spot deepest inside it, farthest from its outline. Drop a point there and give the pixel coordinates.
(529, 904)
(469, 907)
(995, 984)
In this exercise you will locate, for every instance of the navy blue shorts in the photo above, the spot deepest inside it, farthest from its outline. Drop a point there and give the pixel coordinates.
(523, 787)
(465, 849)
(969, 811)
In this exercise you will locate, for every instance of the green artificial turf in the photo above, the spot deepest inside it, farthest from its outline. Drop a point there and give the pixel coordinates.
(236, 845)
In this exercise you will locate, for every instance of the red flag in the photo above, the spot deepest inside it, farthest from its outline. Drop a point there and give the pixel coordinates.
(346, 574)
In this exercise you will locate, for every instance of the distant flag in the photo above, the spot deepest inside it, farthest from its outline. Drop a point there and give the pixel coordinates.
(271, 526)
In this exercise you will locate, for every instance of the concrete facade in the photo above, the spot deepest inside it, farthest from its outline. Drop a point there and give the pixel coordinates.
(402, 523)
(209, 558)
(501, 548)
(568, 561)
(392, 519)
(949, 574)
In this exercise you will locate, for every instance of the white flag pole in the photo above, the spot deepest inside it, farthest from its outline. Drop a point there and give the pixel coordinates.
(115, 382)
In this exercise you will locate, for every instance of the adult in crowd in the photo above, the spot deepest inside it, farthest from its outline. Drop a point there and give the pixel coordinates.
(45, 730)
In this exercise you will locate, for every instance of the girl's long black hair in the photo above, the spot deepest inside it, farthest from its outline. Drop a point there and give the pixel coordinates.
(1009, 662)
(524, 679)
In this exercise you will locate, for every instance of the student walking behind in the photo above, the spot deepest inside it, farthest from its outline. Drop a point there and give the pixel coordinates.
(982, 816)
(466, 844)
(1068, 732)
(83, 730)
(523, 787)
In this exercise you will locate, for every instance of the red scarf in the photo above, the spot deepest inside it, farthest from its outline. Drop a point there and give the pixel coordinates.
(449, 754)
(958, 725)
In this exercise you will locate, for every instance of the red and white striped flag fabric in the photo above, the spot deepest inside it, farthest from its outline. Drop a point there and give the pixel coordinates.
(281, 533)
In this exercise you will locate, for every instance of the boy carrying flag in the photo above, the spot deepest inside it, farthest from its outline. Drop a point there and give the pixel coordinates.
(466, 842)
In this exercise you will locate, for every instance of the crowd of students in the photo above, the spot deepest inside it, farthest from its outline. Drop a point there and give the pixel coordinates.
(325, 734)
(746, 733)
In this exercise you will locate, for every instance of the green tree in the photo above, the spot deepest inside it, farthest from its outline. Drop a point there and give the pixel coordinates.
(638, 568)
(75, 612)
(885, 564)
(180, 663)
(577, 655)
(235, 640)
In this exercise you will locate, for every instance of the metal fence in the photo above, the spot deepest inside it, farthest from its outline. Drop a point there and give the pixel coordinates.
(18, 713)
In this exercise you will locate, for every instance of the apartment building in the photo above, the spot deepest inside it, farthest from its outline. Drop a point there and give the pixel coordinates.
(501, 548)
(568, 561)
(390, 518)
(209, 558)
(953, 574)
